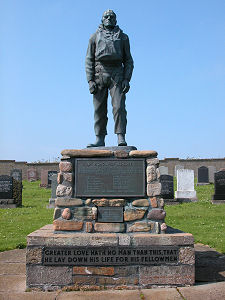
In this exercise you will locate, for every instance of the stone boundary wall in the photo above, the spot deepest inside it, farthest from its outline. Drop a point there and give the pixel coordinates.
(7, 165)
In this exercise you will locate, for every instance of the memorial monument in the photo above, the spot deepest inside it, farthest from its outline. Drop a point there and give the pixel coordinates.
(109, 227)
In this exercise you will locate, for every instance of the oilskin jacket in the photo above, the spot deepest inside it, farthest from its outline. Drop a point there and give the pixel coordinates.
(110, 49)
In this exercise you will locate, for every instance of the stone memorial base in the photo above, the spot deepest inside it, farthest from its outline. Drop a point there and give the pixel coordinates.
(186, 196)
(108, 260)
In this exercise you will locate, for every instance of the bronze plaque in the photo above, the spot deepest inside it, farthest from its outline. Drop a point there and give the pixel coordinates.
(106, 256)
(109, 177)
(110, 214)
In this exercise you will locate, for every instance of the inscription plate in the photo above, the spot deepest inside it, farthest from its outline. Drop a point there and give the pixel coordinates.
(109, 177)
(6, 187)
(106, 256)
(110, 214)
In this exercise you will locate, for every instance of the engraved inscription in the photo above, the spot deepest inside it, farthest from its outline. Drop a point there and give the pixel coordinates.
(110, 214)
(109, 177)
(6, 187)
(104, 256)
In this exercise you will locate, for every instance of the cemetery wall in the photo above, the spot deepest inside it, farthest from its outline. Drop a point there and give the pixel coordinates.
(7, 165)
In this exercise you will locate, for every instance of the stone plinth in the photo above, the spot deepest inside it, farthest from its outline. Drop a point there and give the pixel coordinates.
(108, 260)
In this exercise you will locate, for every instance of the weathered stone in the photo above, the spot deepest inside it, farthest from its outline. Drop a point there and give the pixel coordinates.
(163, 227)
(68, 202)
(140, 239)
(63, 191)
(121, 154)
(187, 255)
(140, 202)
(109, 227)
(109, 202)
(156, 214)
(161, 275)
(152, 161)
(65, 166)
(89, 227)
(37, 275)
(124, 239)
(154, 203)
(153, 189)
(151, 173)
(143, 153)
(59, 178)
(87, 153)
(107, 271)
(139, 226)
(161, 203)
(94, 213)
(118, 281)
(66, 214)
(68, 177)
(67, 225)
(84, 213)
(57, 213)
(88, 202)
(34, 256)
(133, 214)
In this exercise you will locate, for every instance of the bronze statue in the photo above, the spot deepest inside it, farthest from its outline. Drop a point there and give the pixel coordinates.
(109, 67)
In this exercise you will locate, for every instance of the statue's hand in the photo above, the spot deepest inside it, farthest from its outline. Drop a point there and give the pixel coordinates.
(92, 87)
(125, 86)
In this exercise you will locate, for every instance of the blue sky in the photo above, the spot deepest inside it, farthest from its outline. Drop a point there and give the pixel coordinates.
(176, 104)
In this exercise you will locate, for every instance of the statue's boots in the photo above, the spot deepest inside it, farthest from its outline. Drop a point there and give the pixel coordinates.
(121, 139)
(100, 142)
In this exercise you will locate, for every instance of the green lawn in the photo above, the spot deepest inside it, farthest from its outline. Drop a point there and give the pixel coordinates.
(204, 220)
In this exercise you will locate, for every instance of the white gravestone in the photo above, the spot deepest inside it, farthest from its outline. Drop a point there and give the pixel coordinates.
(212, 171)
(185, 184)
(163, 170)
(178, 167)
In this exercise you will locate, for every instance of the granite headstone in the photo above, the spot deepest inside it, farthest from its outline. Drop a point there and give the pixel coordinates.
(185, 185)
(6, 187)
(203, 175)
(167, 191)
(219, 196)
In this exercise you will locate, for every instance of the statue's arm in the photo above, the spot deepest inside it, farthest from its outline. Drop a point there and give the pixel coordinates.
(90, 65)
(127, 59)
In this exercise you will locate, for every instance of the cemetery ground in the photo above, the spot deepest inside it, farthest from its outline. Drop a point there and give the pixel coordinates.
(203, 219)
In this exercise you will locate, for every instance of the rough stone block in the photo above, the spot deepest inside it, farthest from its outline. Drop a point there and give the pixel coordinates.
(63, 191)
(68, 202)
(68, 177)
(124, 240)
(156, 214)
(87, 153)
(171, 275)
(139, 226)
(152, 161)
(154, 189)
(133, 214)
(113, 281)
(65, 166)
(143, 153)
(66, 214)
(84, 280)
(187, 255)
(34, 256)
(47, 275)
(89, 227)
(154, 203)
(59, 178)
(109, 227)
(109, 202)
(57, 213)
(151, 173)
(88, 202)
(140, 202)
(107, 271)
(67, 225)
(121, 154)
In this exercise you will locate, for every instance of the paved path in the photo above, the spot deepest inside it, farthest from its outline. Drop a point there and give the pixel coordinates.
(210, 265)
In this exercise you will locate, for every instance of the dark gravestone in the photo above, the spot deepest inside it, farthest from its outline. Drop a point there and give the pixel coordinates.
(50, 173)
(219, 186)
(54, 184)
(203, 175)
(167, 191)
(110, 214)
(109, 177)
(16, 174)
(6, 187)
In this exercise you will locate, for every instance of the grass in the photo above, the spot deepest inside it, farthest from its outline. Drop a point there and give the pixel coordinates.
(17, 223)
(203, 219)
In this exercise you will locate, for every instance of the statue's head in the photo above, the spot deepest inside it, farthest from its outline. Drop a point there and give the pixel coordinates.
(109, 19)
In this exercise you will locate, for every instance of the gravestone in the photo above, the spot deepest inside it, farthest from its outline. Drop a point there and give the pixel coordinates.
(185, 186)
(44, 178)
(163, 170)
(16, 174)
(167, 191)
(54, 185)
(212, 171)
(50, 173)
(219, 196)
(203, 176)
(6, 187)
(178, 167)
(10, 192)
(32, 175)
